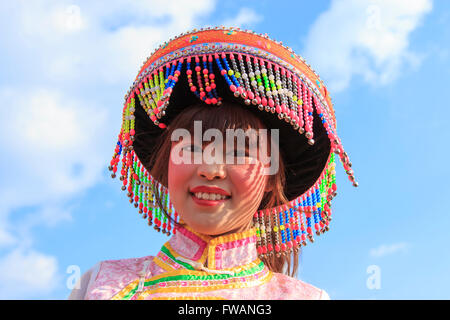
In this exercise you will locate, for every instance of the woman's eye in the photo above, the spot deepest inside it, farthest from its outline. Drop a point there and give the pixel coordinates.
(240, 153)
(191, 148)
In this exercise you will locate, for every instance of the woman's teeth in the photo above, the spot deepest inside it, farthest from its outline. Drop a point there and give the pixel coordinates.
(210, 196)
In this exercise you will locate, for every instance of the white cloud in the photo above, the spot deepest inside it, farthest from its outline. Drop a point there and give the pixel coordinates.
(55, 145)
(246, 17)
(27, 273)
(367, 38)
(390, 249)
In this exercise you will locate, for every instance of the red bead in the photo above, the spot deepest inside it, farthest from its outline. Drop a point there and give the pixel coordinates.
(189, 72)
(233, 88)
(205, 71)
(197, 68)
(213, 100)
(193, 88)
(223, 72)
(162, 126)
(277, 248)
(212, 76)
(277, 108)
(270, 247)
(283, 246)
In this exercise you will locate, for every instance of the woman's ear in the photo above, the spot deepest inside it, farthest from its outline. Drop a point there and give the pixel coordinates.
(269, 184)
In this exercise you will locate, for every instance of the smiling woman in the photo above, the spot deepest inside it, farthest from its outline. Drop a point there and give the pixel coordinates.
(249, 189)
(236, 227)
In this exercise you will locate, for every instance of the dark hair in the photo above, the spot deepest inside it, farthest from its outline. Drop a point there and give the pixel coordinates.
(226, 116)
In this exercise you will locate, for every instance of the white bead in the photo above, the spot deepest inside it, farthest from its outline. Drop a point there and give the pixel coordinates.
(263, 70)
(257, 72)
(278, 82)
(254, 83)
(271, 77)
(251, 74)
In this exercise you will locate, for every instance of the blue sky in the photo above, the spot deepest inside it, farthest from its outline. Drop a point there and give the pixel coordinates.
(65, 67)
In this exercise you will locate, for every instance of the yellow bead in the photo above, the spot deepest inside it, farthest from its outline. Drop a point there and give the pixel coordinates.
(237, 75)
(275, 229)
(230, 72)
(282, 227)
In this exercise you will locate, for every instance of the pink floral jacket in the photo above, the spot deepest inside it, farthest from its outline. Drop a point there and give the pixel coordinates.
(194, 266)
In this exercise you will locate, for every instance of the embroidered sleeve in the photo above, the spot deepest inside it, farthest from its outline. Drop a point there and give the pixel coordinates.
(86, 280)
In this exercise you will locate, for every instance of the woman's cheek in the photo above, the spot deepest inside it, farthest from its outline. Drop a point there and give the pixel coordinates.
(178, 179)
(248, 179)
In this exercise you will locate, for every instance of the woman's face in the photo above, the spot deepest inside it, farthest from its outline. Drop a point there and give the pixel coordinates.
(245, 185)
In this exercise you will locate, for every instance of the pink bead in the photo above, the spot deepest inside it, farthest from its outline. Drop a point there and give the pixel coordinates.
(264, 101)
(277, 108)
(213, 100)
(153, 117)
(208, 89)
(223, 72)
(271, 102)
(193, 88)
(208, 101)
(197, 68)
(202, 94)
(160, 103)
(250, 95)
(258, 100)
(213, 85)
(233, 88)
(212, 76)
(189, 72)
(205, 71)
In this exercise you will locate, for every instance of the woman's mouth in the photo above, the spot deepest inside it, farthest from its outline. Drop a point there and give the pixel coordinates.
(208, 199)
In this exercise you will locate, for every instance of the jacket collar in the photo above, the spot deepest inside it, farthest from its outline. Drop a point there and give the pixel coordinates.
(215, 253)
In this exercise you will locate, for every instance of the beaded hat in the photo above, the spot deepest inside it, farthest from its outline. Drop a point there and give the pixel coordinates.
(217, 64)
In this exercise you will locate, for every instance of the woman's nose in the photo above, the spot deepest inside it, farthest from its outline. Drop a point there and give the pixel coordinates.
(212, 171)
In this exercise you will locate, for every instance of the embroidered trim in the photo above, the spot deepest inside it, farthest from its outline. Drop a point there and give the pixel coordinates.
(253, 274)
